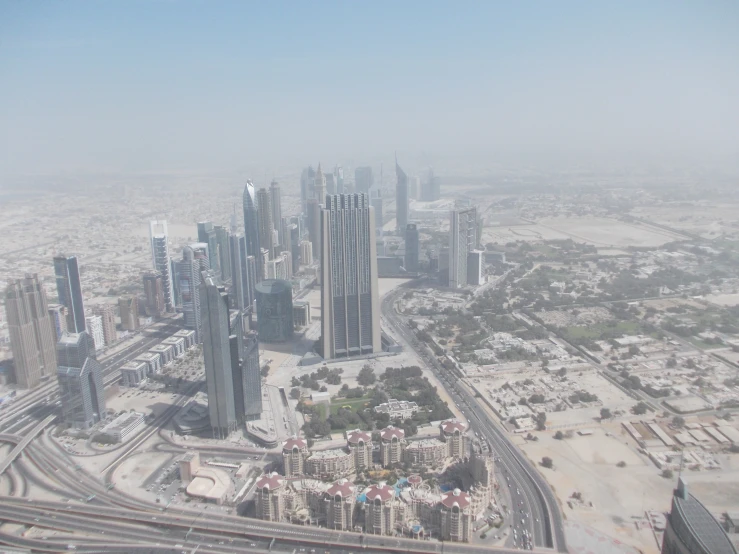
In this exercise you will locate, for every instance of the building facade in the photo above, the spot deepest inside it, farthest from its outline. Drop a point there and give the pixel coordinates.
(94, 324)
(462, 241)
(128, 306)
(392, 446)
(294, 453)
(350, 307)
(107, 314)
(80, 379)
(154, 291)
(251, 227)
(69, 288)
(188, 275)
(161, 262)
(360, 446)
(411, 248)
(401, 199)
(274, 310)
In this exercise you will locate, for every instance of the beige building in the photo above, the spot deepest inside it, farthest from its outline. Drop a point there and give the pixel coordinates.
(454, 434)
(425, 452)
(360, 445)
(392, 445)
(269, 497)
(129, 309)
(294, 453)
(107, 312)
(325, 464)
(380, 509)
(455, 516)
(339, 501)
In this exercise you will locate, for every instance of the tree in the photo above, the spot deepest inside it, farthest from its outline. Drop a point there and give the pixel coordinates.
(640, 409)
(366, 376)
(562, 371)
(547, 462)
(605, 413)
(667, 473)
(295, 394)
(671, 363)
(541, 421)
(678, 422)
(559, 435)
(621, 464)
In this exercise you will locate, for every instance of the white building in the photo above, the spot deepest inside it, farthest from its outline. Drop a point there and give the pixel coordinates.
(134, 373)
(94, 325)
(124, 426)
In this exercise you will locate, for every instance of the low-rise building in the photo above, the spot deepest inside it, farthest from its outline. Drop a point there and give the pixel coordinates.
(133, 373)
(153, 361)
(397, 409)
(301, 313)
(165, 352)
(124, 426)
(177, 344)
(188, 335)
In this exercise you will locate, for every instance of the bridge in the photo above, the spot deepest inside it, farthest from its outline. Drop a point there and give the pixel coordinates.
(40, 426)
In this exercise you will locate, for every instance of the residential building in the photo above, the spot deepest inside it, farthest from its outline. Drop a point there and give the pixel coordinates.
(274, 310)
(252, 378)
(306, 187)
(224, 252)
(306, 252)
(350, 307)
(462, 241)
(411, 248)
(454, 434)
(339, 501)
(325, 464)
(294, 453)
(392, 446)
(80, 378)
(69, 289)
(161, 261)
(58, 314)
(207, 235)
(301, 313)
(377, 205)
(474, 268)
(251, 227)
(425, 452)
(128, 306)
(94, 324)
(31, 331)
(380, 509)
(107, 313)
(319, 185)
(188, 274)
(266, 226)
(455, 516)
(269, 497)
(360, 446)
(275, 199)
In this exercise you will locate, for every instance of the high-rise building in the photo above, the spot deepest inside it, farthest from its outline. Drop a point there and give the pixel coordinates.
(294, 233)
(274, 310)
(276, 205)
(80, 378)
(128, 306)
(154, 291)
(31, 331)
(207, 234)
(401, 199)
(187, 274)
(314, 225)
(58, 314)
(252, 378)
(217, 352)
(377, 205)
(411, 248)
(69, 288)
(107, 314)
(319, 185)
(251, 227)
(431, 189)
(161, 261)
(306, 252)
(350, 307)
(330, 183)
(266, 227)
(224, 252)
(415, 187)
(363, 180)
(462, 241)
(239, 272)
(691, 528)
(94, 324)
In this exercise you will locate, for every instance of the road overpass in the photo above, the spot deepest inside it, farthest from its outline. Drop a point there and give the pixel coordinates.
(21, 446)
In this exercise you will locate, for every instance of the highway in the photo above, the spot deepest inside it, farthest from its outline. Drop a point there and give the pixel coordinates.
(534, 507)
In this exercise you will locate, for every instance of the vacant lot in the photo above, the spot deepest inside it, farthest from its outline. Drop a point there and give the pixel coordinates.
(605, 232)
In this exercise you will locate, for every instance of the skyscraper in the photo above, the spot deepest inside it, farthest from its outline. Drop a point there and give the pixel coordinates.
(31, 331)
(401, 199)
(377, 205)
(251, 226)
(207, 234)
(107, 314)
(80, 378)
(94, 325)
(224, 252)
(462, 241)
(58, 314)
(275, 310)
(294, 233)
(276, 205)
(221, 351)
(154, 291)
(339, 178)
(239, 272)
(319, 185)
(128, 306)
(314, 226)
(363, 180)
(306, 187)
(266, 227)
(411, 248)
(160, 260)
(70, 291)
(330, 183)
(252, 378)
(187, 273)
(350, 307)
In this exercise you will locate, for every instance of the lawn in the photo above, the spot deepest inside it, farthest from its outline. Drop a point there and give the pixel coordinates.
(356, 404)
(600, 330)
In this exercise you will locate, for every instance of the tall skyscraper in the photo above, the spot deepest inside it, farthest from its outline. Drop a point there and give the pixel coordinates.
(80, 378)
(207, 235)
(160, 260)
(224, 252)
(314, 226)
(31, 331)
(306, 252)
(377, 205)
(221, 335)
(319, 185)
(276, 205)
(128, 306)
(251, 226)
(275, 310)
(475, 268)
(401, 199)
(107, 314)
(239, 272)
(411, 248)
(350, 307)
(363, 180)
(58, 314)
(69, 288)
(187, 273)
(294, 234)
(266, 227)
(462, 241)
(339, 178)
(306, 187)
(154, 291)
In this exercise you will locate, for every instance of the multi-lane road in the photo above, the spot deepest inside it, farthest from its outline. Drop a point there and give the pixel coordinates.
(534, 508)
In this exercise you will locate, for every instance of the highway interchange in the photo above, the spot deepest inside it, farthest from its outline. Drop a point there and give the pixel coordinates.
(93, 516)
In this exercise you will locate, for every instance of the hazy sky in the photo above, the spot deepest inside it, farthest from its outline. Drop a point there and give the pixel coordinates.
(180, 85)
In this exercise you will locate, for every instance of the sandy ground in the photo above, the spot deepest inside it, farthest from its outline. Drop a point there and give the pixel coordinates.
(723, 299)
